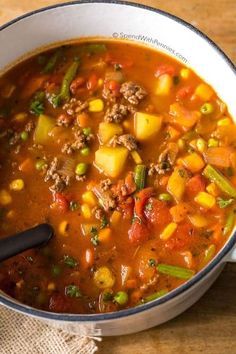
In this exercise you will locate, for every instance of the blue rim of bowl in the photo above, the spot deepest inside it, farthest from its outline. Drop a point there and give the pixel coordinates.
(12, 303)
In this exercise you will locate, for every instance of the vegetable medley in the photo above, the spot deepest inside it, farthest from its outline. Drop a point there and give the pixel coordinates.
(130, 157)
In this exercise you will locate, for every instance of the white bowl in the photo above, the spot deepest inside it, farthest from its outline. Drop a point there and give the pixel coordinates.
(170, 35)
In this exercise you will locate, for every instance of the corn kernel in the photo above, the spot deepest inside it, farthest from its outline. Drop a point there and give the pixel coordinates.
(115, 218)
(96, 105)
(181, 144)
(204, 92)
(201, 145)
(127, 124)
(212, 189)
(5, 197)
(100, 82)
(20, 117)
(17, 185)
(51, 286)
(205, 200)
(104, 235)
(213, 142)
(193, 162)
(224, 121)
(185, 73)
(63, 228)
(89, 198)
(86, 211)
(168, 231)
(137, 158)
(198, 220)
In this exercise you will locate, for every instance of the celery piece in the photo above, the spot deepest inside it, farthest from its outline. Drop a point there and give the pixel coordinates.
(155, 296)
(230, 222)
(221, 181)
(177, 272)
(208, 255)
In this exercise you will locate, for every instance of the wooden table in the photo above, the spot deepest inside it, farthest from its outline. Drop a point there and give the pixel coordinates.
(210, 325)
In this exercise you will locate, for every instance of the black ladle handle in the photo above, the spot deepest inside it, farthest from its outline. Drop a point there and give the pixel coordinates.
(22, 241)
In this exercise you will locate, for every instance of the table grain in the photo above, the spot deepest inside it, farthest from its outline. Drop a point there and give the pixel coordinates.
(210, 325)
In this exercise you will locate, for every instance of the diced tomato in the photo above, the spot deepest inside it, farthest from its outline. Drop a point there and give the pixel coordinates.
(182, 238)
(61, 201)
(165, 69)
(76, 83)
(127, 208)
(157, 212)
(141, 199)
(129, 183)
(92, 82)
(114, 87)
(184, 92)
(138, 232)
(57, 303)
(195, 185)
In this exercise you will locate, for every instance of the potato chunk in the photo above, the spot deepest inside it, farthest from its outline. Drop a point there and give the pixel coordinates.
(106, 131)
(146, 125)
(44, 125)
(111, 160)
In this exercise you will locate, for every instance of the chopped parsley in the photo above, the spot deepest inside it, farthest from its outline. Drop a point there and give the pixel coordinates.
(104, 222)
(37, 103)
(70, 261)
(152, 262)
(72, 291)
(222, 203)
(176, 80)
(107, 296)
(94, 236)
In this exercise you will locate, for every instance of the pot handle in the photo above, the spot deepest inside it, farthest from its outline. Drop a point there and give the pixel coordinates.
(231, 257)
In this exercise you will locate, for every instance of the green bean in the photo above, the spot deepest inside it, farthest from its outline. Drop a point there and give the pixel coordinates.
(81, 168)
(230, 222)
(69, 76)
(52, 61)
(155, 296)
(140, 176)
(221, 181)
(177, 272)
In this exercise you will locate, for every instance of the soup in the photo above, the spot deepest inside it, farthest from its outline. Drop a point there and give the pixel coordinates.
(131, 158)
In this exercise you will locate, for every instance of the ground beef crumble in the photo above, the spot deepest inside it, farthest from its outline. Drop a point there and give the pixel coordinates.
(74, 106)
(98, 213)
(80, 141)
(105, 184)
(117, 113)
(29, 126)
(166, 160)
(60, 180)
(133, 92)
(126, 140)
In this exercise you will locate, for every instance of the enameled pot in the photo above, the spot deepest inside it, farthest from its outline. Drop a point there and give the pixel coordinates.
(171, 35)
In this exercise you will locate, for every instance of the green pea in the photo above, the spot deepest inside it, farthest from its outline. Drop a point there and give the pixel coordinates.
(81, 169)
(207, 108)
(121, 298)
(24, 136)
(56, 270)
(85, 151)
(165, 197)
(87, 131)
(39, 165)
